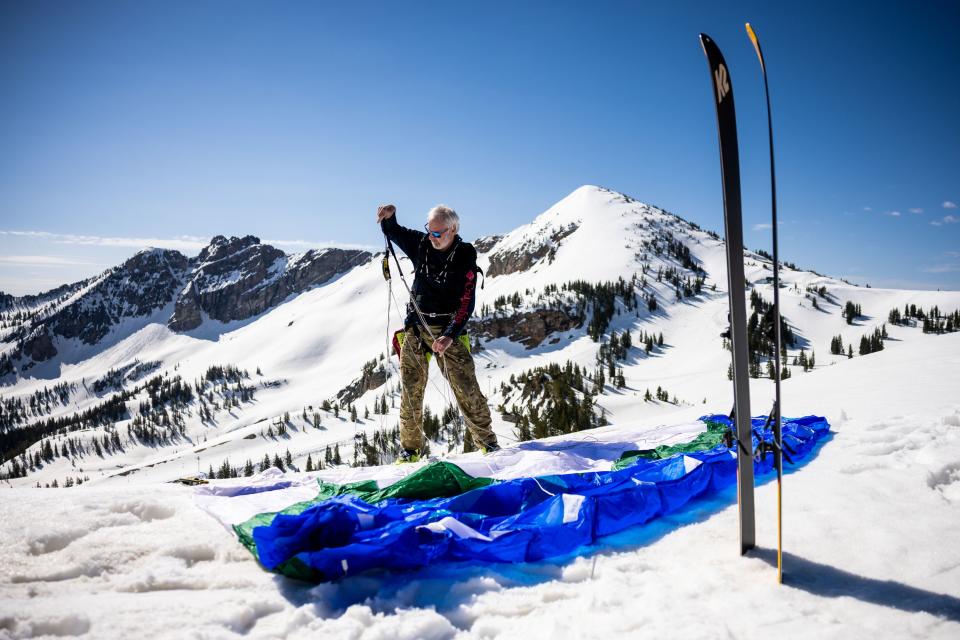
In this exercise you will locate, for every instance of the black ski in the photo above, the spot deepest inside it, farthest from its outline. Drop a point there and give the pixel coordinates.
(733, 229)
(777, 431)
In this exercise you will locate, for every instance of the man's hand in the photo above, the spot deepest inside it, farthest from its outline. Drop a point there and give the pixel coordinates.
(385, 211)
(441, 344)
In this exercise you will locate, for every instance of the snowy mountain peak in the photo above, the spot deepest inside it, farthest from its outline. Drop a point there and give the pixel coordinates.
(152, 259)
(592, 226)
(221, 247)
(148, 251)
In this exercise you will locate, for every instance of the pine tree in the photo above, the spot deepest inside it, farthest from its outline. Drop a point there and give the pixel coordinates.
(309, 462)
(850, 312)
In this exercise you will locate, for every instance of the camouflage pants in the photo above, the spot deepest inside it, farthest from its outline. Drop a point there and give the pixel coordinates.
(457, 367)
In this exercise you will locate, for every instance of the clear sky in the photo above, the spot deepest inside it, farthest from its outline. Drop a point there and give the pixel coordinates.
(126, 124)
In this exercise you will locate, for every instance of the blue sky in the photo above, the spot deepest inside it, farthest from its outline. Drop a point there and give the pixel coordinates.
(127, 124)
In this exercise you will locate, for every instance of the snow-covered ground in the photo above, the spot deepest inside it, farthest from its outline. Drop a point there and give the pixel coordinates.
(871, 525)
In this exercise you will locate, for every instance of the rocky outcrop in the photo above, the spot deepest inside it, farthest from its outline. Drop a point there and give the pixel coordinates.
(372, 377)
(40, 346)
(141, 285)
(238, 278)
(317, 266)
(525, 256)
(232, 279)
(485, 243)
(225, 274)
(529, 328)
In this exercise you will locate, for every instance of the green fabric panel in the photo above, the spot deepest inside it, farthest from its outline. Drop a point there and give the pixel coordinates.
(298, 570)
(703, 442)
(436, 480)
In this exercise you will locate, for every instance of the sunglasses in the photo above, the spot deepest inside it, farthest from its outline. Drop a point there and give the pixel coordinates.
(435, 234)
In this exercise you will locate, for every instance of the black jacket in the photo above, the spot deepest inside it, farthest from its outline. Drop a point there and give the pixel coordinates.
(445, 281)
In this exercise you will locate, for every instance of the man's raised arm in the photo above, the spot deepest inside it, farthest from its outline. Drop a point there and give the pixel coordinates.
(407, 239)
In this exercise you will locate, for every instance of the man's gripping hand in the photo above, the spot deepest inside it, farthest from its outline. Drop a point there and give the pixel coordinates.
(441, 344)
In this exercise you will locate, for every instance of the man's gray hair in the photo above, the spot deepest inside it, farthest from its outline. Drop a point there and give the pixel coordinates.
(446, 215)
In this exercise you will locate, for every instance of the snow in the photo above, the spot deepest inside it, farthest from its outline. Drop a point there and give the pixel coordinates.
(870, 523)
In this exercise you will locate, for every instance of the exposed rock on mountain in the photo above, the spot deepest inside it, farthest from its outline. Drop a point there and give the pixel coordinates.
(529, 328)
(373, 377)
(141, 285)
(485, 243)
(232, 279)
(529, 253)
(238, 278)
(40, 346)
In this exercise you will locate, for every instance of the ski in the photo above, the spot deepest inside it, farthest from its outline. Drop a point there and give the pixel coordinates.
(777, 430)
(733, 231)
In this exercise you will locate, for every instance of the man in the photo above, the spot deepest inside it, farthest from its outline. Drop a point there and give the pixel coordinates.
(444, 288)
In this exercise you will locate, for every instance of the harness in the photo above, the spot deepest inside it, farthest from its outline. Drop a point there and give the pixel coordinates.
(424, 266)
(441, 277)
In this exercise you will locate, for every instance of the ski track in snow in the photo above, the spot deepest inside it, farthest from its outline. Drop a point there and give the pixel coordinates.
(871, 522)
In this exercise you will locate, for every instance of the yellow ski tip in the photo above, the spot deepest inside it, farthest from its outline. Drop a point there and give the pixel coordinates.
(756, 43)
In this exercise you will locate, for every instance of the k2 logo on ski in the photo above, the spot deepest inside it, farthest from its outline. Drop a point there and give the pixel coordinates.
(722, 82)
